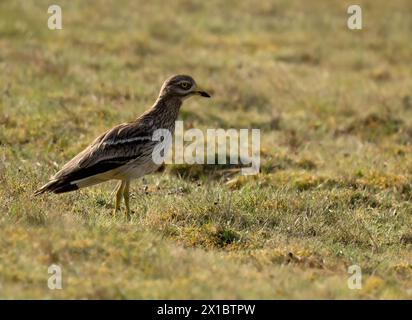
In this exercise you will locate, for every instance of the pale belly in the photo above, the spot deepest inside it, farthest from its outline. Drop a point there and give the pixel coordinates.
(134, 170)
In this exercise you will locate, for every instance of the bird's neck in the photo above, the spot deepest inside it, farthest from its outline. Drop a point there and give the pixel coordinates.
(166, 109)
(167, 101)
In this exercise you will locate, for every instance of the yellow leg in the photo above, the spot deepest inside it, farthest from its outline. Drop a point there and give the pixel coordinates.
(126, 198)
(119, 193)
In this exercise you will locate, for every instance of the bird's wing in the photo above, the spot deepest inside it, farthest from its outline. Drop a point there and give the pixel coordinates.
(114, 148)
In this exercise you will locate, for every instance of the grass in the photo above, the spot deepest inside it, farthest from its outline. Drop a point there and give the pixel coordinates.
(334, 108)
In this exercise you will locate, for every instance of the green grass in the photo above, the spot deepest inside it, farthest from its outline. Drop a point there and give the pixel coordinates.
(335, 112)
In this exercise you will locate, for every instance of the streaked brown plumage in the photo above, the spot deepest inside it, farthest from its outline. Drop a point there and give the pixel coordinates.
(125, 151)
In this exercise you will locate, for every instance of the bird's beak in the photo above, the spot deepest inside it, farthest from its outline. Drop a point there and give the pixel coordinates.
(201, 92)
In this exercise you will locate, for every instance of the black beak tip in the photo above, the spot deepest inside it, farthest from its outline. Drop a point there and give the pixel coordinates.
(205, 94)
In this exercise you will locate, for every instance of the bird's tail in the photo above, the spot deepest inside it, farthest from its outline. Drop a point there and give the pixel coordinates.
(56, 186)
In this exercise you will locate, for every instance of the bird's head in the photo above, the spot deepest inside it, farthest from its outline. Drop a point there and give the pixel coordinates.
(183, 87)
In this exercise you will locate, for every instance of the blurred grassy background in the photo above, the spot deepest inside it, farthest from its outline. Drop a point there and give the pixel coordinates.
(334, 107)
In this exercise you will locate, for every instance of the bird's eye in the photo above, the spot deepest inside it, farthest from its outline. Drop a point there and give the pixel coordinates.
(184, 85)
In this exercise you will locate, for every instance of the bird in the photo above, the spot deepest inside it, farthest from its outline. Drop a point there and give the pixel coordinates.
(124, 152)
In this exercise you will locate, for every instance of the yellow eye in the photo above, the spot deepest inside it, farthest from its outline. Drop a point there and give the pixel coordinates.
(185, 85)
